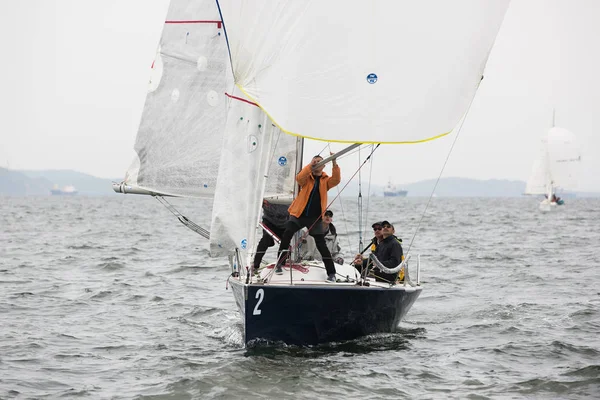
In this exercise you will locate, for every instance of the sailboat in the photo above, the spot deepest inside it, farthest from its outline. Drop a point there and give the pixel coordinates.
(556, 167)
(237, 88)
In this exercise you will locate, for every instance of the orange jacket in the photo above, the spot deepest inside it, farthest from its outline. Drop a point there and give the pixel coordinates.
(307, 182)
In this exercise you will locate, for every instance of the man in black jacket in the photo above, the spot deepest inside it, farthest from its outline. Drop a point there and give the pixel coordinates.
(388, 252)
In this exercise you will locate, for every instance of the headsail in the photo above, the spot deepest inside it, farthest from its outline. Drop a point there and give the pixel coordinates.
(362, 71)
(179, 140)
(564, 156)
(557, 165)
(257, 161)
(539, 179)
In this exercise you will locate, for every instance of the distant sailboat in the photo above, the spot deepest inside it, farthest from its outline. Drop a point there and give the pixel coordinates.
(556, 166)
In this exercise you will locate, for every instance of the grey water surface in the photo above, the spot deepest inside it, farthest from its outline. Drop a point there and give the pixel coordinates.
(112, 298)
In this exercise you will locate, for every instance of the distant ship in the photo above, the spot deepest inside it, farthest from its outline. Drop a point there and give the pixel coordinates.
(65, 191)
(391, 191)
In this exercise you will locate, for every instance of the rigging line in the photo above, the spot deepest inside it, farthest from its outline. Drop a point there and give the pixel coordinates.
(226, 38)
(183, 219)
(342, 207)
(365, 228)
(323, 149)
(359, 204)
(462, 121)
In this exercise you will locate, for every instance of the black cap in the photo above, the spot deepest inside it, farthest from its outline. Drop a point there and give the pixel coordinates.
(329, 213)
(378, 223)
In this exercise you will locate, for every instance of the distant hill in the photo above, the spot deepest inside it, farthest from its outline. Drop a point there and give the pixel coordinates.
(36, 183)
(455, 187)
(448, 187)
(27, 183)
(464, 187)
(15, 183)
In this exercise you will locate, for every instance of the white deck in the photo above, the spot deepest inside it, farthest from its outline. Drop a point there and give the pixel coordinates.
(313, 273)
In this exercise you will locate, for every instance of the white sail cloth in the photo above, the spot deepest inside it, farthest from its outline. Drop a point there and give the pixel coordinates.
(363, 70)
(558, 163)
(565, 157)
(257, 161)
(179, 140)
(539, 179)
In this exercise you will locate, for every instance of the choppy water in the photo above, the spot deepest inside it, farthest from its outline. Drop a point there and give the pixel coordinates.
(112, 298)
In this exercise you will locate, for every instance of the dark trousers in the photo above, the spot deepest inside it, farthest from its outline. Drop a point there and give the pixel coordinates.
(265, 242)
(293, 226)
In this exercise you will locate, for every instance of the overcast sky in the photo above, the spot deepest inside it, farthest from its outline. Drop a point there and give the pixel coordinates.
(75, 73)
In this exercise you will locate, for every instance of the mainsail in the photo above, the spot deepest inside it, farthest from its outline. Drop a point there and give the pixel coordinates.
(557, 165)
(179, 141)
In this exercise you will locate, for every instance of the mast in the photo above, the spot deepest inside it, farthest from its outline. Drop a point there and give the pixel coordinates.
(299, 157)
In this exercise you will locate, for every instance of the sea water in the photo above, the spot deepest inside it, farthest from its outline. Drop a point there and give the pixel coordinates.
(112, 298)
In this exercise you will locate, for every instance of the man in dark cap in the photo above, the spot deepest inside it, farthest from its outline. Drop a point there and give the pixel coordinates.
(388, 251)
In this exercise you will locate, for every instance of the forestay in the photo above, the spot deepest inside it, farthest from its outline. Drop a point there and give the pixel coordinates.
(365, 70)
(179, 141)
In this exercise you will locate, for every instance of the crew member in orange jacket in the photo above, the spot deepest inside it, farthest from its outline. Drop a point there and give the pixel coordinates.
(307, 208)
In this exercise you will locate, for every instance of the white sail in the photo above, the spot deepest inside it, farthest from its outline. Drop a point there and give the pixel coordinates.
(179, 141)
(557, 165)
(565, 156)
(364, 70)
(539, 179)
(257, 161)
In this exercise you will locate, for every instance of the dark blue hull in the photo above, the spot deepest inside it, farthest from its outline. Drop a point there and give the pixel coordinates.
(307, 315)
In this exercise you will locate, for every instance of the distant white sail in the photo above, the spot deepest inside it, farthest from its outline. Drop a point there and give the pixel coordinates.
(557, 165)
(363, 71)
(540, 175)
(565, 158)
(179, 141)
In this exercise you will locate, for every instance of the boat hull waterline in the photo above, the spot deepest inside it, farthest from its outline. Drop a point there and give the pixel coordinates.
(310, 314)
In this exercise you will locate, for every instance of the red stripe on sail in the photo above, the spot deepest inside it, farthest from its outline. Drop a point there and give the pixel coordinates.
(240, 99)
(196, 22)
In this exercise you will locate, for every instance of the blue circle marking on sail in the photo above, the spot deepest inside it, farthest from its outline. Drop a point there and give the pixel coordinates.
(372, 78)
(282, 161)
(244, 243)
